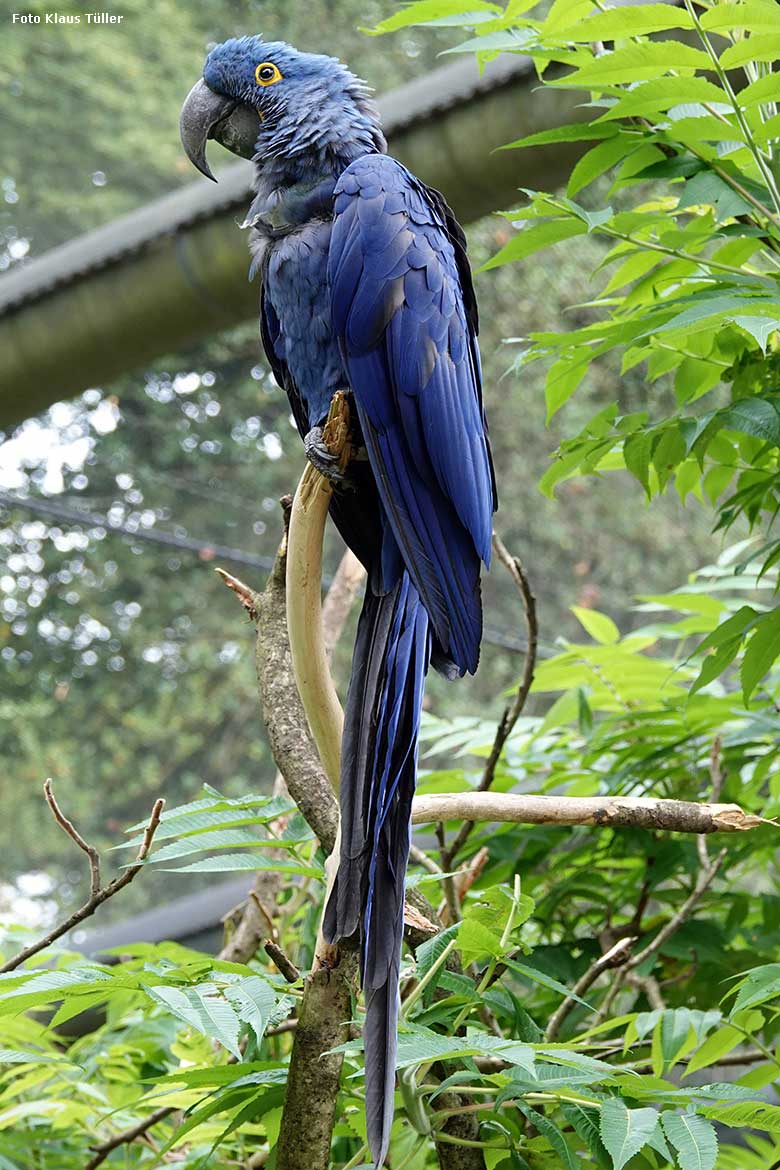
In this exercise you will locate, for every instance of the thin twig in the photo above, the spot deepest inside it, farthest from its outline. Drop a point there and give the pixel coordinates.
(513, 712)
(75, 835)
(705, 879)
(97, 897)
(451, 911)
(280, 1029)
(420, 857)
(282, 961)
(616, 956)
(127, 1136)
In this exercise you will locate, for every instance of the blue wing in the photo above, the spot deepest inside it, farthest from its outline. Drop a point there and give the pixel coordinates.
(399, 309)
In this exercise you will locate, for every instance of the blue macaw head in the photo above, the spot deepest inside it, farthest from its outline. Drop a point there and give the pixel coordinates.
(266, 100)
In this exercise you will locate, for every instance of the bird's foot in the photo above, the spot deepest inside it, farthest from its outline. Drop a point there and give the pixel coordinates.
(322, 458)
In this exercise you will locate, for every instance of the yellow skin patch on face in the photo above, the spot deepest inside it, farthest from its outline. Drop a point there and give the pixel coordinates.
(267, 73)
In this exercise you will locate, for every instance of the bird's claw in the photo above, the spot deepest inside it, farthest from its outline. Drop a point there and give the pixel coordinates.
(321, 458)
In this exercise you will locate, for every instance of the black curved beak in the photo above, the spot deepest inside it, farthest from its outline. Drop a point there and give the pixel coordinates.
(206, 114)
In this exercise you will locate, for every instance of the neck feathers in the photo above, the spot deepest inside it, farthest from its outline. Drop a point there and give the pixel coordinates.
(338, 124)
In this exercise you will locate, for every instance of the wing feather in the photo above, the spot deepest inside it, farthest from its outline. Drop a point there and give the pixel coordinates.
(404, 311)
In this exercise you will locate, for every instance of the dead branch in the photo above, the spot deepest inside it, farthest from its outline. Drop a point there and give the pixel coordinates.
(304, 597)
(606, 812)
(512, 713)
(282, 961)
(98, 894)
(127, 1136)
(92, 854)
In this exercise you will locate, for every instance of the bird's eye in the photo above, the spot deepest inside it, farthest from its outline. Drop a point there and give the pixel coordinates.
(267, 73)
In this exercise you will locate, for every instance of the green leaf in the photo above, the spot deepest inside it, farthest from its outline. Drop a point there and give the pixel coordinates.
(636, 453)
(200, 1008)
(649, 98)
(430, 951)
(643, 62)
(254, 1001)
(425, 11)
(600, 627)
(533, 239)
(762, 651)
(585, 1122)
(14, 1056)
(563, 378)
(545, 980)
(619, 23)
(671, 1037)
(573, 132)
(746, 1114)
(567, 1160)
(624, 1131)
(765, 47)
(476, 942)
(244, 862)
(216, 839)
(757, 986)
(734, 627)
(759, 328)
(713, 1048)
(753, 15)
(708, 188)
(598, 160)
(502, 41)
(758, 417)
(694, 1139)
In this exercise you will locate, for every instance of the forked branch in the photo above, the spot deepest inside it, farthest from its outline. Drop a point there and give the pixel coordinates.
(98, 893)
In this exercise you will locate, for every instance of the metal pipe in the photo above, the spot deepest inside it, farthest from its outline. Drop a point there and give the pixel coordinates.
(162, 278)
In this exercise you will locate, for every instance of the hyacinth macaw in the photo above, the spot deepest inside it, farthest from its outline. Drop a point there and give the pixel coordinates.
(366, 288)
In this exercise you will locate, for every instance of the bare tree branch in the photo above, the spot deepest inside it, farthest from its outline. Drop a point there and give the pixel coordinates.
(608, 812)
(127, 1136)
(282, 961)
(616, 956)
(705, 879)
(99, 894)
(304, 597)
(92, 853)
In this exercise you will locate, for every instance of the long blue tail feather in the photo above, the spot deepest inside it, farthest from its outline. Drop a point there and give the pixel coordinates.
(379, 767)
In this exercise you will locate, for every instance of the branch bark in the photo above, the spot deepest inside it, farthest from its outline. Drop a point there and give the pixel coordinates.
(608, 812)
(309, 1111)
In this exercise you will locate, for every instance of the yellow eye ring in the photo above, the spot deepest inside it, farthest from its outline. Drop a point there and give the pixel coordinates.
(267, 73)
